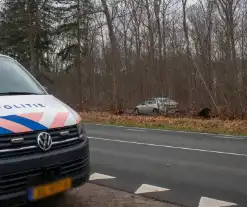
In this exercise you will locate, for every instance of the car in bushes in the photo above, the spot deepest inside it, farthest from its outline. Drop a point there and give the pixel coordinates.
(157, 106)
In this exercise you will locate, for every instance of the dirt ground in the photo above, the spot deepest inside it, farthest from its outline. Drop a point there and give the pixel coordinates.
(91, 195)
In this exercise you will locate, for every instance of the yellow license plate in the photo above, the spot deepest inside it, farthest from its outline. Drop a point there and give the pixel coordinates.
(43, 191)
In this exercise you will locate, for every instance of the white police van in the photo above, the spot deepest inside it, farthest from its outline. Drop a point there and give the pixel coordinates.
(43, 147)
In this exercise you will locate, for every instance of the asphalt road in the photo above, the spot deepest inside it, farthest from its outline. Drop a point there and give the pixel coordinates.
(191, 167)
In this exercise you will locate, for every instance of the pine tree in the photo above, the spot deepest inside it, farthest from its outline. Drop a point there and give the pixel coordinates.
(25, 33)
(13, 31)
(73, 31)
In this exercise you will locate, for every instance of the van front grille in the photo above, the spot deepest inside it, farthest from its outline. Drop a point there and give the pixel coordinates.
(17, 182)
(61, 138)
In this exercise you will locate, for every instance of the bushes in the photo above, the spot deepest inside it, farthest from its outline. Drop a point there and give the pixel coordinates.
(215, 125)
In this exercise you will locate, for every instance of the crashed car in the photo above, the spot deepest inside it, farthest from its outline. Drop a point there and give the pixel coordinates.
(156, 106)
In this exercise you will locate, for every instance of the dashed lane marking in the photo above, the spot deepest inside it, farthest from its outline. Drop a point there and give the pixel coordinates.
(212, 135)
(145, 188)
(229, 137)
(210, 202)
(98, 176)
(136, 130)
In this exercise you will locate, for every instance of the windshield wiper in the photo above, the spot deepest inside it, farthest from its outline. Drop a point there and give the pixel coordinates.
(19, 93)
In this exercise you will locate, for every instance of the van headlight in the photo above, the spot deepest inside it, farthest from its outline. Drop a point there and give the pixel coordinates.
(81, 130)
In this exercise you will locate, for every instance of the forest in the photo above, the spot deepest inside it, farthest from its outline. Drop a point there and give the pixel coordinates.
(112, 54)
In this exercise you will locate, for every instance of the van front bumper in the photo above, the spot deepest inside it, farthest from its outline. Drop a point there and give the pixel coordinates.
(17, 175)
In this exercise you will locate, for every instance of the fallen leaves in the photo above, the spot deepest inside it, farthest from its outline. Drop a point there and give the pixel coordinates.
(188, 124)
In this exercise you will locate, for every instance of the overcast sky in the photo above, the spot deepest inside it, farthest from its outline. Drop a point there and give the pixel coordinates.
(191, 1)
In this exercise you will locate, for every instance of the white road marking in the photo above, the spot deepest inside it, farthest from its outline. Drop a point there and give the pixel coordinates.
(107, 125)
(145, 188)
(98, 176)
(175, 131)
(210, 202)
(229, 137)
(136, 130)
(168, 146)
(140, 128)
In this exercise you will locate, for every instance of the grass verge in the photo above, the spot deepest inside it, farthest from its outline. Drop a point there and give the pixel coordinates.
(217, 126)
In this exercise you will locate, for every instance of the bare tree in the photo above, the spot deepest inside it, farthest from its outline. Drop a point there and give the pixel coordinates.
(191, 51)
(115, 57)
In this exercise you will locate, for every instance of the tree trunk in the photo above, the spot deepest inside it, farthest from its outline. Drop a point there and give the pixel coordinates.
(31, 41)
(115, 59)
(78, 56)
(160, 60)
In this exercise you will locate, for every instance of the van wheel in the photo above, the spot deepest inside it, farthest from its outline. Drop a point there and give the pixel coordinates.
(136, 111)
(156, 111)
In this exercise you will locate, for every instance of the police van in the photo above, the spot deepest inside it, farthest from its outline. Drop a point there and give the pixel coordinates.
(44, 150)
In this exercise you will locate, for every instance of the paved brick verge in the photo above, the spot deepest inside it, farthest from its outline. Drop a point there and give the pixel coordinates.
(91, 195)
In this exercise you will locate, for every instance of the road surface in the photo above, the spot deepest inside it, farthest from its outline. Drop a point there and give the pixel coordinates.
(92, 195)
(189, 169)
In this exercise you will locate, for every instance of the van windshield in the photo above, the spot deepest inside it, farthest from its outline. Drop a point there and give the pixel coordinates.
(15, 80)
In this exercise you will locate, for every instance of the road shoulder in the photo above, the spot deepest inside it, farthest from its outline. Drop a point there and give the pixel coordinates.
(91, 195)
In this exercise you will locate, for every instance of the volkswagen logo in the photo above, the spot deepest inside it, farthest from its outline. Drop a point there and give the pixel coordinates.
(44, 141)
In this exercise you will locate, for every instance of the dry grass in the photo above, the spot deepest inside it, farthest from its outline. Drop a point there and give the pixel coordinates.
(236, 127)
